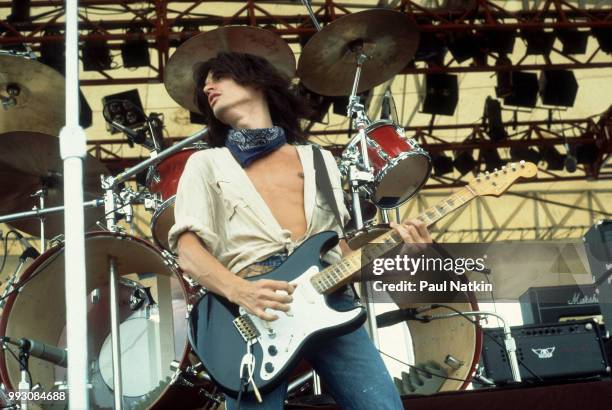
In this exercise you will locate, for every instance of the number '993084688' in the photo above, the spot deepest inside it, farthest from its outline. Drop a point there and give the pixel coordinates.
(39, 396)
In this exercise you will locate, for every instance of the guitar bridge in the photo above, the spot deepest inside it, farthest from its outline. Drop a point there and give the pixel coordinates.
(246, 328)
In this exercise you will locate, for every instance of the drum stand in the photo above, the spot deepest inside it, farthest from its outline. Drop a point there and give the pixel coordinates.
(41, 194)
(109, 185)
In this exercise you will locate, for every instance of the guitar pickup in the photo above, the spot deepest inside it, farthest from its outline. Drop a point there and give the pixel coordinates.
(246, 328)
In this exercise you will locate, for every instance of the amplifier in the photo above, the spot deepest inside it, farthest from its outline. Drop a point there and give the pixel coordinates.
(598, 247)
(550, 304)
(570, 350)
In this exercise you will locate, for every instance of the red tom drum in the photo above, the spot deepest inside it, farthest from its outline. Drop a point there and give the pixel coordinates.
(164, 183)
(400, 165)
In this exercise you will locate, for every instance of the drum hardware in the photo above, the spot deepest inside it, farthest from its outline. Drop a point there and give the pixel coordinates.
(41, 194)
(315, 22)
(509, 341)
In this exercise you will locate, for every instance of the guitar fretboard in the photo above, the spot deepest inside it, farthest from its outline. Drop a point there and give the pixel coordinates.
(339, 273)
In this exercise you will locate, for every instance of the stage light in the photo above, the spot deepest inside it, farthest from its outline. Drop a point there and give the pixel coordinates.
(464, 162)
(85, 113)
(525, 154)
(492, 159)
(574, 41)
(442, 94)
(20, 12)
(96, 53)
(52, 52)
(586, 153)
(189, 30)
(539, 42)
(558, 87)
(501, 42)
(431, 48)
(604, 38)
(503, 78)
(462, 46)
(524, 90)
(319, 104)
(135, 51)
(442, 164)
(124, 108)
(493, 119)
(554, 159)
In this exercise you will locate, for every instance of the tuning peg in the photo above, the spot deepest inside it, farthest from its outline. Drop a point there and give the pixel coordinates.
(486, 174)
(504, 169)
(522, 163)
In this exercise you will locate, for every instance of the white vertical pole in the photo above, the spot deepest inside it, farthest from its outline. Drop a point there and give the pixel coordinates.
(73, 151)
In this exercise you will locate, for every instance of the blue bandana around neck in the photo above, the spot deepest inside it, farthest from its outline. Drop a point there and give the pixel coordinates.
(248, 145)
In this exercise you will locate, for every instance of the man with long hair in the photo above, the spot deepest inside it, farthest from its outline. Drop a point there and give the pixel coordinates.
(243, 206)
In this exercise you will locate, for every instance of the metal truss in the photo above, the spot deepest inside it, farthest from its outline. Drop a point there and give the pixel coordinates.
(521, 215)
(166, 24)
(560, 133)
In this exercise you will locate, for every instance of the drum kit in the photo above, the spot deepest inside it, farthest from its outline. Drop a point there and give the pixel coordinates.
(382, 169)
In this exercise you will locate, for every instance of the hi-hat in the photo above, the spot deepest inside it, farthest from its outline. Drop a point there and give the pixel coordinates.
(33, 94)
(30, 162)
(178, 78)
(328, 61)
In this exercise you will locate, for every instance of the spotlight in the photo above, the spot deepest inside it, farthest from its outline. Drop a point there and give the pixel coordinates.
(124, 108)
(464, 162)
(442, 94)
(501, 42)
(492, 159)
(431, 48)
(525, 154)
(570, 163)
(503, 78)
(462, 46)
(493, 119)
(586, 153)
(574, 41)
(85, 114)
(20, 12)
(554, 159)
(524, 90)
(52, 53)
(558, 87)
(135, 51)
(188, 31)
(604, 38)
(319, 104)
(96, 54)
(442, 164)
(539, 42)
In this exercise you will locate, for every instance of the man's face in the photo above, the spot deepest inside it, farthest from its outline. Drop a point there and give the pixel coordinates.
(224, 95)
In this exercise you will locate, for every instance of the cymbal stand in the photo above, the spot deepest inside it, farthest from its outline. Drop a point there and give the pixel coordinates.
(308, 5)
(360, 172)
(41, 194)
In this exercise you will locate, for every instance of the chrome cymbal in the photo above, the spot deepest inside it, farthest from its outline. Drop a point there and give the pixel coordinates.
(178, 77)
(328, 61)
(33, 95)
(31, 161)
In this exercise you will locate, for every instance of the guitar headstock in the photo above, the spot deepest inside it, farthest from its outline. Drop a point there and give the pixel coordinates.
(498, 181)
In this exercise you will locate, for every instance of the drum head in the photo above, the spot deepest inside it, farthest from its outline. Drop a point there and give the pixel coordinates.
(152, 332)
(401, 179)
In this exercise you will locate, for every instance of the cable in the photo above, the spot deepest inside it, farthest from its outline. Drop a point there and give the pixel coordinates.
(5, 256)
(5, 346)
(475, 323)
(418, 369)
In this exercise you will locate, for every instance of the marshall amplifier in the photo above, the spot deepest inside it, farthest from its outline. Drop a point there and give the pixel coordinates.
(598, 247)
(550, 304)
(570, 350)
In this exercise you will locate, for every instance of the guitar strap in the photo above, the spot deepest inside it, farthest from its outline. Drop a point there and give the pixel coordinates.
(323, 183)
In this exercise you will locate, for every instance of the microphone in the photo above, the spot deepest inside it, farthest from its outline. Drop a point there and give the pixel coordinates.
(385, 111)
(138, 137)
(41, 350)
(396, 316)
(28, 250)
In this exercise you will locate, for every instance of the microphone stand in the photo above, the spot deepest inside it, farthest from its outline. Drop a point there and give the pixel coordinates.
(24, 383)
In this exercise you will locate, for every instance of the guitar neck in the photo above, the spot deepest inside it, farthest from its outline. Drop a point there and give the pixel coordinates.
(336, 275)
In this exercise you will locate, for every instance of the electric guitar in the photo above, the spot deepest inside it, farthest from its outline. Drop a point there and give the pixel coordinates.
(224, 330)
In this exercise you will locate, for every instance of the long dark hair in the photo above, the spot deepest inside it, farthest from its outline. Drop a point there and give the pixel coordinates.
(286, 108)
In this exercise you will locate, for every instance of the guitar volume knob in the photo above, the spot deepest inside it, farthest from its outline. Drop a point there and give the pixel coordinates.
(272, 350)
(269, 367)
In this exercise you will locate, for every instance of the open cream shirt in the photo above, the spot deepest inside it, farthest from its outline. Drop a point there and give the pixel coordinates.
(217, 201)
